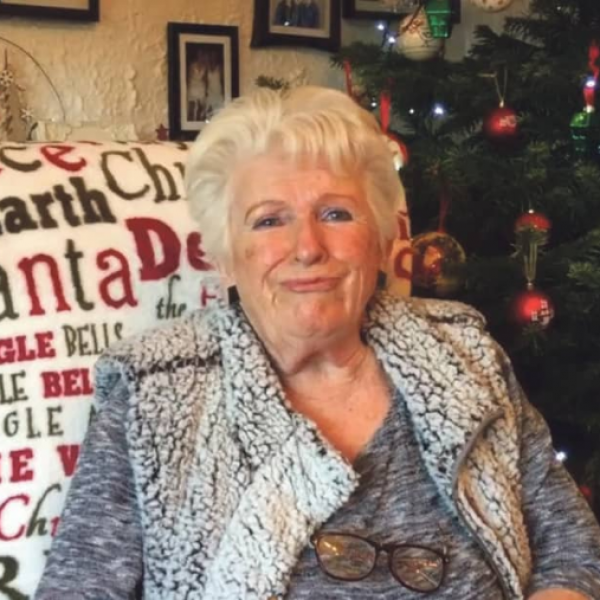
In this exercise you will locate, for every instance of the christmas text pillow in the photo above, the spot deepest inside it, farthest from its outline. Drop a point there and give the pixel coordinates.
(95, 244)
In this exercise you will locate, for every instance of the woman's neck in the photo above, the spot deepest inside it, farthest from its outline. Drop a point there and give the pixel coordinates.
(334, 373)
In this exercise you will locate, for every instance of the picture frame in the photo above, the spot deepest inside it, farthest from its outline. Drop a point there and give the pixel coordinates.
(203, 74)
(70, 10)
(388, 9)
(312, 23)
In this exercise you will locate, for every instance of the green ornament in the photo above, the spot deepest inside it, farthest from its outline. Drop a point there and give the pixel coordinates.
(585, 132)
(439, 15)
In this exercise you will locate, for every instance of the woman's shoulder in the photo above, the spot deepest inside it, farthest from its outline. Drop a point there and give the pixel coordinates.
(192, 338)
(432, 311)
(447, 311)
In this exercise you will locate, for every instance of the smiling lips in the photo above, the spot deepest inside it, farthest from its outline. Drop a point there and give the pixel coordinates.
(311, 284)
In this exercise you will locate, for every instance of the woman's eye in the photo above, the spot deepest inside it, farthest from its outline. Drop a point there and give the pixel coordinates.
(337, 214)
(266, 222)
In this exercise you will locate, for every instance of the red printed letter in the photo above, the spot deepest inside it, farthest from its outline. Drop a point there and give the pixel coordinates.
(51, 382)
(195, 253)
(68, 457)
(123, 275)
(169, 244)
(5, 536)
(20, 463)
(26, 265)
(54, 153)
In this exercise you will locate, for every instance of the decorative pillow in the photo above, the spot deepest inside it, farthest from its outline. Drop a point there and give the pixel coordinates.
(95, 244)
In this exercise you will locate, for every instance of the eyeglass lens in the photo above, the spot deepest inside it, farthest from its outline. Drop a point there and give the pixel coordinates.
(351, 558)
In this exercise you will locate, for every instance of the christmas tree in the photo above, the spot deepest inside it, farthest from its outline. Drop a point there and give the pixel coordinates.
(509, 134)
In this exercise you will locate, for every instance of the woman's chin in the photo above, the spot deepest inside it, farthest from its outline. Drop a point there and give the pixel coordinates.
(313, 319)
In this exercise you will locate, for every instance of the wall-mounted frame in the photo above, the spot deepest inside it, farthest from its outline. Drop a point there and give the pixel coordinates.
(388, 9)
(72, 10)
(203, 65)
(312, 23)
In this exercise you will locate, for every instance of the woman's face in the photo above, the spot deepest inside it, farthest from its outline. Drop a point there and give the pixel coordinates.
(304, 249)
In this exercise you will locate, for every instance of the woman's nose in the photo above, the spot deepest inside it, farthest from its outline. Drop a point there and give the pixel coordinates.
(310, 244)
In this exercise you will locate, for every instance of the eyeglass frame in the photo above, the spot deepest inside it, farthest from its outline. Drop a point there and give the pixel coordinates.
(389, 549)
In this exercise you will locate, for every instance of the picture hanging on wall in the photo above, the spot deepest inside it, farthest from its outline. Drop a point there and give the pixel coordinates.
(312, 23)
(386, 9)
(75, 10)
(203, 75)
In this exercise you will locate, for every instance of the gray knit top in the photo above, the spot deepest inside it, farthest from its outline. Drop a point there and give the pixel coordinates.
(100, 539)
(397, 502)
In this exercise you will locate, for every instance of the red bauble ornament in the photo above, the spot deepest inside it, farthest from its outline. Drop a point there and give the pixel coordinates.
(532, 307)
(587, 493)
(533, 220)
(501, 125)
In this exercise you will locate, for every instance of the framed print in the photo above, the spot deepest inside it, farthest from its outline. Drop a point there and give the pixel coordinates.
(312, 23)
(387, 9)
(75, 10)
(203, 75)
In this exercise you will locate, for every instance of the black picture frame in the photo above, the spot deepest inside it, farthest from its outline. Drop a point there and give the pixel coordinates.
(380, 9)
(203, 72)
(52, 9)
(275, 24)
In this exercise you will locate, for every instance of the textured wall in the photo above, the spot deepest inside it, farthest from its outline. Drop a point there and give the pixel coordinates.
(114, 72)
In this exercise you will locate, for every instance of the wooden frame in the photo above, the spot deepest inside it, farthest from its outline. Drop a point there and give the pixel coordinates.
(384, 9)
(312, 23)
(203, 63)
(71, 10)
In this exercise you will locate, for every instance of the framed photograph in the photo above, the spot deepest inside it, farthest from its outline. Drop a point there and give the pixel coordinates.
(73, 10)
(388, 9)
(312, 23)
(203, 75)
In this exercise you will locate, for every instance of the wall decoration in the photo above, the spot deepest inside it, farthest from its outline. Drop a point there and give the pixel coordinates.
(378, 9)
(17, 120)
(415, 40)
(203, 75)
(312, 23)
(492, 5)
(387, 9)
(75, 10)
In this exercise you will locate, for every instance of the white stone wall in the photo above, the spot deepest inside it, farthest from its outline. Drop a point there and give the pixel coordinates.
(114, 73)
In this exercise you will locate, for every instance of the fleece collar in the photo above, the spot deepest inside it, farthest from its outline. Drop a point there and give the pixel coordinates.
(445, 369)
(423, 364)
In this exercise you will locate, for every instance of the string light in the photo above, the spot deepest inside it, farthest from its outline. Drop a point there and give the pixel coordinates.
(590, 83)
(411, 111)
(381, 27)
(439, 110)
(561, 456)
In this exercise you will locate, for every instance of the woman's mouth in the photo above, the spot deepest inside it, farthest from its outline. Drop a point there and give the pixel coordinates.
(311, 284)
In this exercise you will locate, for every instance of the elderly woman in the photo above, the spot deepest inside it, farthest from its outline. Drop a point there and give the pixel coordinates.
(316, 438)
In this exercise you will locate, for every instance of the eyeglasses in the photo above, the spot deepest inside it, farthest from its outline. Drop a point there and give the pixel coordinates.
(350, 557)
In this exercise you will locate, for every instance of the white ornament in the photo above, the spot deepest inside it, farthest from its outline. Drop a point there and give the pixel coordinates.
(397, 150)
(6, 78)
(415, 40)
(492, 5)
